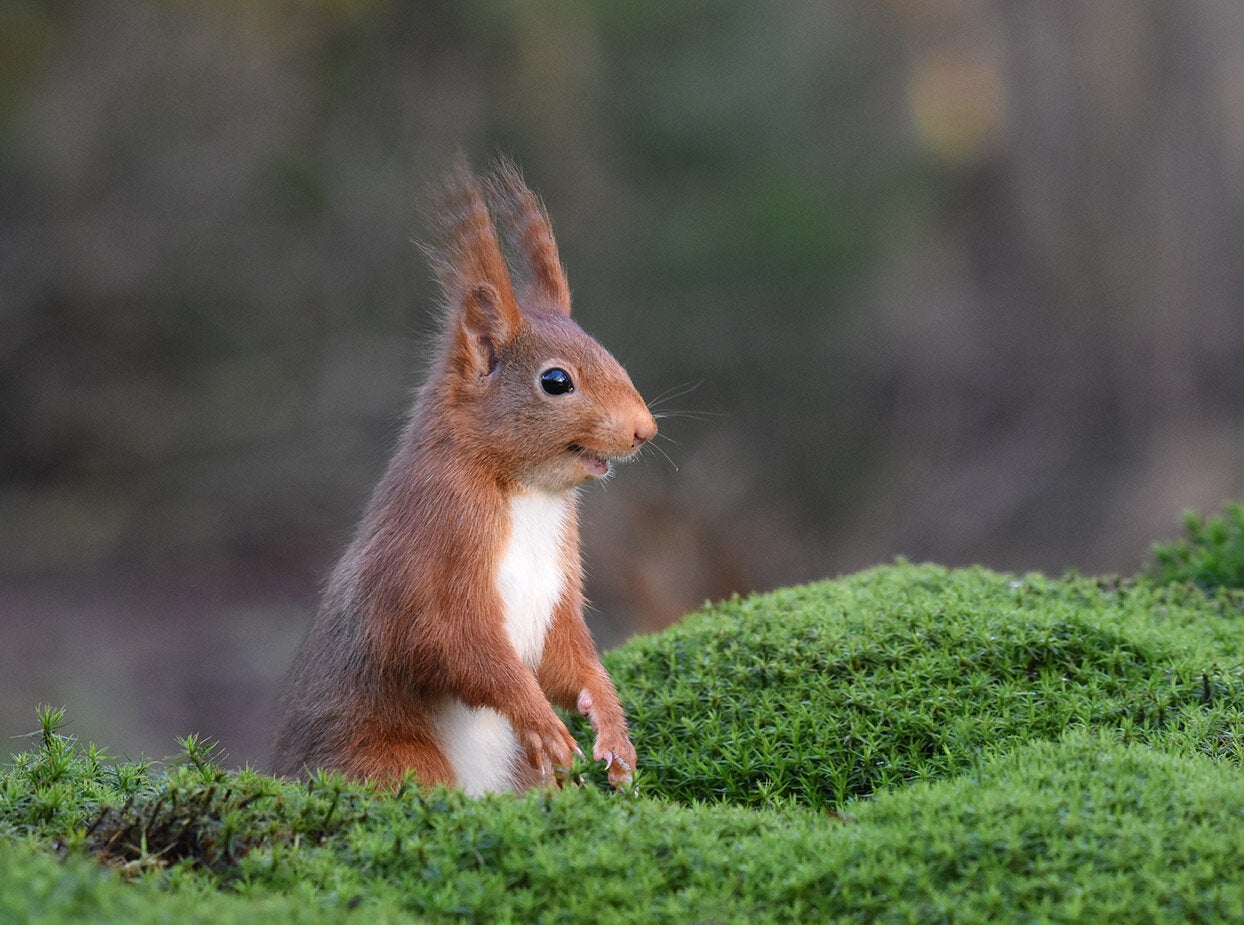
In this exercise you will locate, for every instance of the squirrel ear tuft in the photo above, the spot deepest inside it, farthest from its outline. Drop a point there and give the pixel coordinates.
(466, 258)
(526, 226)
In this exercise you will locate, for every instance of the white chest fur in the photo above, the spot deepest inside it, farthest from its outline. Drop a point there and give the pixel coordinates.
(479, 742)
(530, 577)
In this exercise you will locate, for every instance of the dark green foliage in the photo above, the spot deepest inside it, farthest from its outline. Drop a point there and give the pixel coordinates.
(1212, 554)
(908, 744)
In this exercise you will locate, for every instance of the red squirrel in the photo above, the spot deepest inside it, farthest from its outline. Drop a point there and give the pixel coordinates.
(455, 618)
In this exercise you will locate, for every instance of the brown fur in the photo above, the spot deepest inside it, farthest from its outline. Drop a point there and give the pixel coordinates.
(412, 615)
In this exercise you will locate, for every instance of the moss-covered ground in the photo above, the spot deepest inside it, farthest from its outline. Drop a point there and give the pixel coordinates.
(907, 744)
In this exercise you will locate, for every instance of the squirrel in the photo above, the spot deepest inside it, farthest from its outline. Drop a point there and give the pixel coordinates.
(454, 620)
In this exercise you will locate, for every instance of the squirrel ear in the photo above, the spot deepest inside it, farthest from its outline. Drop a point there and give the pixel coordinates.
(472, 272)
(483, 328)
(528, 231)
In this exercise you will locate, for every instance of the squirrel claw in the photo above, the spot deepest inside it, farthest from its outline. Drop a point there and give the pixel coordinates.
(620, 769)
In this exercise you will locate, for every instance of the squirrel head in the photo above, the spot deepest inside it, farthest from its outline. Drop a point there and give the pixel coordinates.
(527, 393)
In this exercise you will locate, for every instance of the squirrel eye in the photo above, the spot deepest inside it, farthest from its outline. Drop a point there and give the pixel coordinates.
(556, 381)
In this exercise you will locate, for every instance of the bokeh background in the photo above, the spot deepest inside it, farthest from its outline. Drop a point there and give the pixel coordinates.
(959, 280)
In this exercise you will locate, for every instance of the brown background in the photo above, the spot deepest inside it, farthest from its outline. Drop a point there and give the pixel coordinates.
(958, 280)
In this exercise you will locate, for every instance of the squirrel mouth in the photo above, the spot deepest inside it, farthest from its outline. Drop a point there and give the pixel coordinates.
(596, 464)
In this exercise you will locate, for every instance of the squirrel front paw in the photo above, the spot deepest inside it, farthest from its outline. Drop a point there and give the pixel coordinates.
(549, 746)
(613, 744)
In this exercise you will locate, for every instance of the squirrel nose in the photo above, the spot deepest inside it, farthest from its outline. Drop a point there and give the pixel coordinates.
(645, 430)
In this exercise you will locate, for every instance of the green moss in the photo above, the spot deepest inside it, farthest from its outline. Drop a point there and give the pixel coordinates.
(1084, 829)
(836, 690)
(907, 744)
(1210, 556)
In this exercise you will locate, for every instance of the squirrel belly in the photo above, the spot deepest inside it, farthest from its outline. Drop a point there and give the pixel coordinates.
(531, 577)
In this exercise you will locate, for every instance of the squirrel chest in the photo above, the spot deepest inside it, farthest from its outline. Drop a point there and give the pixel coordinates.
(531, 576)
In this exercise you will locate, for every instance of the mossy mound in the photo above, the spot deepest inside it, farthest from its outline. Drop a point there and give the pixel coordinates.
(836, 690)
(1082, 829)
(907, 744)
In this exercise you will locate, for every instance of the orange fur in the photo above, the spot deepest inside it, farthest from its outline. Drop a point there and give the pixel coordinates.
(413, 618)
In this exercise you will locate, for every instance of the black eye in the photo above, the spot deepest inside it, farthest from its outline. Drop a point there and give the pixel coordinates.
(556, 381)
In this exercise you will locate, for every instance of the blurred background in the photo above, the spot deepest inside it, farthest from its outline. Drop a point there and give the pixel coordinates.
(959, 280)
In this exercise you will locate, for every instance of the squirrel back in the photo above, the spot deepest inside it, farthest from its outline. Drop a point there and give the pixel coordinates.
(454, 619)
